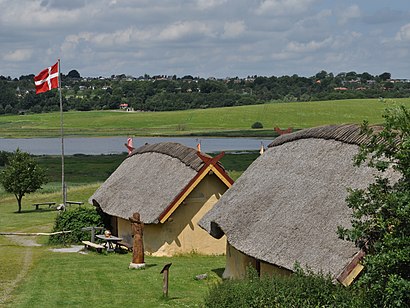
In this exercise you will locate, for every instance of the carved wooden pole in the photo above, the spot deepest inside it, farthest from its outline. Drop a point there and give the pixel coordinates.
(165, 272)
(138, 245)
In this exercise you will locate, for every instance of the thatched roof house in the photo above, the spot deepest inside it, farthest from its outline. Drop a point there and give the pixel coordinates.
(171, 186)
(285, 208)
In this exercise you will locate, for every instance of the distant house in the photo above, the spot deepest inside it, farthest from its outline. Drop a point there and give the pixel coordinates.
(172, 187)
(285, 208)
(123, 106)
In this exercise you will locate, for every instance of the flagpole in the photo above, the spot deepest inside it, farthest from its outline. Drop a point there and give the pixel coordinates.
(63, 188)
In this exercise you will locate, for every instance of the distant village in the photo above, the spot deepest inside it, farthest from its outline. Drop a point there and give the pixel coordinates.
(170, 92)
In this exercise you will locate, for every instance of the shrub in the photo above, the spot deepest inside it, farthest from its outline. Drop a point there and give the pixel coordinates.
(299, 290)
(74, 220)
(257, 125)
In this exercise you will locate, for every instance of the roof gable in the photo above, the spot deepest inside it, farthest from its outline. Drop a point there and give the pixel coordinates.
(150, 179)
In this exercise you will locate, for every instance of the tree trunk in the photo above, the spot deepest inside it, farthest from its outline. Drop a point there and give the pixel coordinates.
(19, 202)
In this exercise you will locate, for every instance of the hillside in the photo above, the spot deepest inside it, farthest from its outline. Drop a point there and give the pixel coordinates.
(230, 121)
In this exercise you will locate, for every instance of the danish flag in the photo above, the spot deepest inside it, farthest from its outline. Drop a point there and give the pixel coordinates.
(47, 79)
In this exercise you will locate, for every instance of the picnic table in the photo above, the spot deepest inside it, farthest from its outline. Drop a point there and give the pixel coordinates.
(111, 243)
(37, 205)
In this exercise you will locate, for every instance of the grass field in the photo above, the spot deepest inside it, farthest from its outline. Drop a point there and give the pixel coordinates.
(234, 120)
(37, 277)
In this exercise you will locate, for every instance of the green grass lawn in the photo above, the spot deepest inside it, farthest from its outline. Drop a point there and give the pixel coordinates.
(104, 280)
(199, 122)
(38, 277)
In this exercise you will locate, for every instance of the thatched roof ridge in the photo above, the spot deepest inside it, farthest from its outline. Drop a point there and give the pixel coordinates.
(185, 154)
(346, 133)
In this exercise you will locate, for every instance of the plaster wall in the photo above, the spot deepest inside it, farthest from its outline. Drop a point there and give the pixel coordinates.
(180, 233)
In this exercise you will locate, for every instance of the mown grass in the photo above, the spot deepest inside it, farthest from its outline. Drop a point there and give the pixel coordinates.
(98, 280)
(37, 277)
(202, 122)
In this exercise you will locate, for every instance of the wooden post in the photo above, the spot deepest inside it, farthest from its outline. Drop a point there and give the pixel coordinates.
(165, 272)
(137, 231)
(137, 227)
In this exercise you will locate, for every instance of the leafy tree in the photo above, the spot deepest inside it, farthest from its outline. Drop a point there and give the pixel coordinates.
(385, 76)
(381, 213)
(22, 175)
(73, 74)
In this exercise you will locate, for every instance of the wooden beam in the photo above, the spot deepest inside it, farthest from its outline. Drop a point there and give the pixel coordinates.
(210, 163)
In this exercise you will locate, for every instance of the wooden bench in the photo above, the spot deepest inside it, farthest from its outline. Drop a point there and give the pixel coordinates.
(37, 205)
(74, 202)
(88, 244)
(124, 245)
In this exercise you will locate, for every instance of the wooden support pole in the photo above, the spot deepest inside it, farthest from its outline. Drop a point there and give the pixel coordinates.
(165, 272)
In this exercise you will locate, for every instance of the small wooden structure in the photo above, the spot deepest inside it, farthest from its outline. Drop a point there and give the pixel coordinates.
(37, 205)
(88, 244)
(165, 280)
(138, 245)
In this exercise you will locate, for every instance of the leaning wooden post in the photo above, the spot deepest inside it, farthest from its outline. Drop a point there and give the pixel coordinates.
(165, 272)
(138, 245)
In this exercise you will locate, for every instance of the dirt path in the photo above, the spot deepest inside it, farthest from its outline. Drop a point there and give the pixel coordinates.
(5, 294)
(25, 241)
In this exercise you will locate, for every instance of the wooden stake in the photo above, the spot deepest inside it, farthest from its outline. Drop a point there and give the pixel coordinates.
(165, 272)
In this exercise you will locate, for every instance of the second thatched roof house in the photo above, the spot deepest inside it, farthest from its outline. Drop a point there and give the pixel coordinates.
(171, 186)
(285, 208)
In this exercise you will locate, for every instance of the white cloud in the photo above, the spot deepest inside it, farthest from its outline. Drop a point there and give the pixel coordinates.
(234, 29)
(18, 55)
(283, 7)
(345, 15)
(404, 33)
(183, 29)
(309, 46)
(208, 4)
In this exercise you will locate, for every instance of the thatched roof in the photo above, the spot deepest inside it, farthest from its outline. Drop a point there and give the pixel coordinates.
(148, 180)
(346, 133)
(286, 206)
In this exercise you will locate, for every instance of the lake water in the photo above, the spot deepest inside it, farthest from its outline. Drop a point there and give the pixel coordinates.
(115, 145)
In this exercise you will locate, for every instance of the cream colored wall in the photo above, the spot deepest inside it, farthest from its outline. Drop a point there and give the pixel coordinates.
(268, 269)
(237, 264)
(181, 233)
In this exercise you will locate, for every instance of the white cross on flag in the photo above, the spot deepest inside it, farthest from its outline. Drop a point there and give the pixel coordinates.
(47, 79)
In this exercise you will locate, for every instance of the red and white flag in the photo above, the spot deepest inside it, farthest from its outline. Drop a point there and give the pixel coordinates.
(47, 79)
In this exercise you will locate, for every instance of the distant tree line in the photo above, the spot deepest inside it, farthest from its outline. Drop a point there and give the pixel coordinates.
(160, 93)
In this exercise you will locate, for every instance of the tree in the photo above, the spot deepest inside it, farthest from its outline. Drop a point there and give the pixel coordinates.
(385, 76)
(73, 74)
(381, 213)
(22, 175)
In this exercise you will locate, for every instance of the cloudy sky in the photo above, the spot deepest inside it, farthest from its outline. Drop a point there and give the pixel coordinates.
(205, 38)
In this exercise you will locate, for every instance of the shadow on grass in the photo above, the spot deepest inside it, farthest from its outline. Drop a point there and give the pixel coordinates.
(219, 271)
(35, 211)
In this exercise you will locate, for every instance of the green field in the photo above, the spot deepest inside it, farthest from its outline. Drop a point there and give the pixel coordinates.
(33, 276)
(37, 277)
(232, 120)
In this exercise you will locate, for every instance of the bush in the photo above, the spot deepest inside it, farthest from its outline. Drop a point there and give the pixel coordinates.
(299, 290)
(257, 125)
(74, 220)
